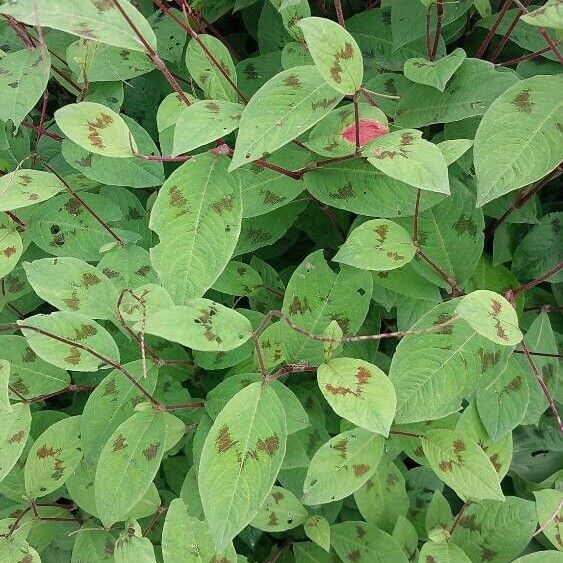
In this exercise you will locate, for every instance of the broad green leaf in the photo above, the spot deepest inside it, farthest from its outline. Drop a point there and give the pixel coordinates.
(281, 511)
(197, 204)
(317, 529)
(14, 430)
(356, 186)
(487, 529)
(405, 535)
(186, 539)
(71, 329)
(238, 278)
(241, 458)
(549, 15)
(17, 550)
(111, 403)
(359, 392)
(362, 542)
(454, 149)
(335, 52)
(96, 128)
(53, 457)
(342, 465)
(433, 372)
(201, 324)
(471, 90)
(203, 122)
(308, 552)
(25, 75)
(5, 405)
(73, 285)
(292, 12)
(98, 20)
(132, 547)
(128, 267)
(302, 98)
(344, 298)
(462, 465)
(27, 187)
(439, 514)
(442, 553)
(540, 250)
(549, 508)
(540, 557)
(206, 74)
(523, 120)
(11, 248)
(502, 405)
(30, 376)
(377, 245)
(383, 498)
(436, 73)
(406, 156)
(491, 315)
(128, 464)
(93, 545)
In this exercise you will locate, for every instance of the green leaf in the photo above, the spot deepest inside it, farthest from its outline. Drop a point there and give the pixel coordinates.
(345, 298)
(238, 278)
(197, 204)
(383, 498)
(25, 75)
(73, 285)
(524, 117)
(462, 465)
(406, 156)
(206, 75)
(110, 404)
(439, 514)
(434, 73)
(361, 542)
(203, 122)
(132, 547)
(549, 15)
(186, 539)
(454, 149)
(317, 529)
(69, 329)
(302, 98)
(96, 128)
(491, 315)
(487, 529)
(53, 457)
(342, 465)
(5, 405)
(335, 52)
(241, 458)
(540, 557)
(11, 248)
(359, 392)
(201, 324)
(442, 553)
(128, 463)
(549, 508)
(98, 20)
(377, 245)
(308, 552)
(93, 545)
(16, 550)
(14, 430)
(280, 512)
(27, 187)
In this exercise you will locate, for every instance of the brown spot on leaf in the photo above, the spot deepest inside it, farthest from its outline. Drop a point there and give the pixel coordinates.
(74, 357)
(298, 307)
(9, 251)
(85, 331)
(224, 441)
(487, 554)
(29, 356)
(223, 204)
(465, 225)
(344, 192)
(90, 279)
(143, 270)
(336, 70)
(339, 390)
(110, 388)
(151, 451)
(459, 446)
(72, 302)
(354, 555)
(360, 469)
(273, 519)
(523, 103)
(292, 80)
(120, 443)
(44, 452)
(381, 232)
(212, 107)
(270, 445)
(496, 464)
(488, 359)
(17, 437)
(341, 447)
(177, 199)
(515, 384)
(363, 376)
(277, 496)
(445, 465)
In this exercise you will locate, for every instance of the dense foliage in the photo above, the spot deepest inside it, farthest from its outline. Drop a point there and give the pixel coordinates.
(280, 281)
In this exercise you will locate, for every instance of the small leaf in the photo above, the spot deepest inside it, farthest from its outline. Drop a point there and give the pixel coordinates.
(11, 248)
(132, 547)
(14, 430)
(549, 507)
(359, 392)
(454, 149)
(96, 128)
(128, 464)
(491, 315)
(406, 156)
(442, 553)
(26, 187)
(549, 15)
(335, 52)
(377, 245)
(317, 529)
(342, 465)
(281, 511)
(436, 73)
(5, 406)
(462, 465)
(53, 457)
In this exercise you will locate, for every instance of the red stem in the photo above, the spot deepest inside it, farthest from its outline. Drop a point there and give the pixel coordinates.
(493, 30)
(506, 35)
(339, 12)
(527, 57)
(439, 17)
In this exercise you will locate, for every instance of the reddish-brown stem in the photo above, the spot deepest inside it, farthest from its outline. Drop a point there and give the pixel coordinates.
(553, 516)
(506, 36)
(357, 123)
(439, 18)
(459, 516)
(279, 294)
(84, 204)
(523, 197)
(44, 132)
(427, 35)
(183, 407)
(17, 394)
(14, 526)
(15, 219)
(493, 30)
(512, 294)
(545, 308)
(152, 522)
(73, 388)
(407, 434)
(527, 57)
(292, 368)
(543, 386)
(331, 216)
(339, 12)
(543, 354)
(15, 25)
(160, 158)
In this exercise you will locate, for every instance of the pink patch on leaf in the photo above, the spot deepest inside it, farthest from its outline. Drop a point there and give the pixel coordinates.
(369, 129)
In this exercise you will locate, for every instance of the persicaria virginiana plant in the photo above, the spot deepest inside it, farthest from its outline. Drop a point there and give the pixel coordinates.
(281, 281)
